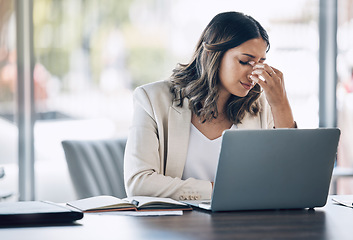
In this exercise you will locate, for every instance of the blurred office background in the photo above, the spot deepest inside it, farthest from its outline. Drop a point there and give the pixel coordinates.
(90, 55)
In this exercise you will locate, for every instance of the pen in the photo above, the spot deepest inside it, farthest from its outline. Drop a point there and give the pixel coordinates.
(135, 202)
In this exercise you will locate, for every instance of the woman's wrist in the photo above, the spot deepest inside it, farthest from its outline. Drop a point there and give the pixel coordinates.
(282, 116)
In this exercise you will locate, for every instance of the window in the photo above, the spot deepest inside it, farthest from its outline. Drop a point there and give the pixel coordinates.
(90, 56)
(345, 90)
(8, 138)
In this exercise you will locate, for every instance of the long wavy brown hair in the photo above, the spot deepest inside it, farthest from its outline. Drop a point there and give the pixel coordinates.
(199, 80)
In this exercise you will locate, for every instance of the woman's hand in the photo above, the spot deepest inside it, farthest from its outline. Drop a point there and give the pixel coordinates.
(271, 81)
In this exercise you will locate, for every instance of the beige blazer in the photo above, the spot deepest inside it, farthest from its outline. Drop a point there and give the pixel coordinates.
(157, 145)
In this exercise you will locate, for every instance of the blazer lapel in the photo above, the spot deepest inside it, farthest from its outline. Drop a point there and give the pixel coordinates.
(179, 121)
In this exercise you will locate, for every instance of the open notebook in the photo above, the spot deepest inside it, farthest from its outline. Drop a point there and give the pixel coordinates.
(105, 203)
(273, 169)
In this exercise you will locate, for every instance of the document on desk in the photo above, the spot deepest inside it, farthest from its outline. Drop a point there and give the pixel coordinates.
(344, 202)
(140, 213)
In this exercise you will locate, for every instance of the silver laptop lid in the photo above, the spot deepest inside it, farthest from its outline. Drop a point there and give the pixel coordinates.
(274, 169)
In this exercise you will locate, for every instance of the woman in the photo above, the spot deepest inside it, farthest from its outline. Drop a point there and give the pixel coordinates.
(174, 142)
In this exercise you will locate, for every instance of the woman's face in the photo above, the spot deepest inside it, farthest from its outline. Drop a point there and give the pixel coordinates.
(235, 69)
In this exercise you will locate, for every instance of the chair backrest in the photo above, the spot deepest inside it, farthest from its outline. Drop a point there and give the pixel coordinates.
(96, 166)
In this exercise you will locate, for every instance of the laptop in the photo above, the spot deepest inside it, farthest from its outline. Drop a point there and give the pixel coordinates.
(273, 169)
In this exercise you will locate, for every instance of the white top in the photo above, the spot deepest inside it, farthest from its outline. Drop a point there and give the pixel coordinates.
(202, 157)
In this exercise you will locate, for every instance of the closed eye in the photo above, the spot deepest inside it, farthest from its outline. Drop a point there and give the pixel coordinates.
(243, 63)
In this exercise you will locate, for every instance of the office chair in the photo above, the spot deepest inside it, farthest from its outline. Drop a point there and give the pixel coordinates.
(96, 166)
